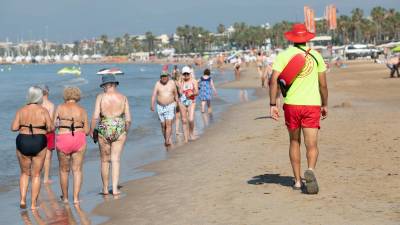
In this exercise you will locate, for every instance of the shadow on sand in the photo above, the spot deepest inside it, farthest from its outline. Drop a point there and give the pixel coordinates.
(271, 179)
(263, 117)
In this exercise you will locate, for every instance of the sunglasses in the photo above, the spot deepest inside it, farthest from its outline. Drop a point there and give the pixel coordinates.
(186, 74)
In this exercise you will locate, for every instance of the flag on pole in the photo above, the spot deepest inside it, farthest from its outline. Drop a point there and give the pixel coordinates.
(330, 14)
(309, 19)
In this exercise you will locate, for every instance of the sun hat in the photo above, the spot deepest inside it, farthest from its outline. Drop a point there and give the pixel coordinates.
(105, 79)
(186, 69)
(299, 34)
(164, 74)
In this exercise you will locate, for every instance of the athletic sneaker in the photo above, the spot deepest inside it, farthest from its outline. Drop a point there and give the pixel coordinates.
(311, 182)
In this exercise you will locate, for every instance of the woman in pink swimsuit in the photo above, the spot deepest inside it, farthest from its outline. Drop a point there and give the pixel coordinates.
(188, 90)
(72, 128)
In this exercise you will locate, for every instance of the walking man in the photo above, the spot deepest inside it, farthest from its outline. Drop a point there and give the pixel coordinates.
(166, 95)
(305, 102)
(47, 104)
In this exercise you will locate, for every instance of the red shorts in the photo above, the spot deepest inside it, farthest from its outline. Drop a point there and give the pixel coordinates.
(304, 116)
(50, 141)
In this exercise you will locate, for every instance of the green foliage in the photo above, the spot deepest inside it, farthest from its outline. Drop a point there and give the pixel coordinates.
(381, 25)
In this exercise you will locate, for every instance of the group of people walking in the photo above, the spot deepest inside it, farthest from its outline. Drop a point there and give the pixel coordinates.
(175, 99)
(43, 128)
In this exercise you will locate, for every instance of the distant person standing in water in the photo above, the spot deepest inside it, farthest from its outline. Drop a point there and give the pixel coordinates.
(207, 89)
(33, 123)
(261, 68)
(47, 104)
(236, 67)
(305, 102)
(177, 77)
(114, 119)
(165, 95)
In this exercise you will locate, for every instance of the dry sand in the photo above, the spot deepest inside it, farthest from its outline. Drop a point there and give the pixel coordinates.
(238, 172)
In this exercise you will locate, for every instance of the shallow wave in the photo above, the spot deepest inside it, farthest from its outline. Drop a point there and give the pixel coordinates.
(75, 81)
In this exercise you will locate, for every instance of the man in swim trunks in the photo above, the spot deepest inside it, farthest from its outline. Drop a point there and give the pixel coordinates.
(47, 104)
(305, 102)
(166, 95)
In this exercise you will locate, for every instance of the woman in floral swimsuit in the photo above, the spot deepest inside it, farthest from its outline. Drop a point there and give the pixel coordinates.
(113, 119)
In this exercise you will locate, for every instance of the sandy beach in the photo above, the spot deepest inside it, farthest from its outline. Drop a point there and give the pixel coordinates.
(238, 172)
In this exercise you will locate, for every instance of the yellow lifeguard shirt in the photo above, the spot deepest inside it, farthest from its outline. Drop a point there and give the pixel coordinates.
(305, 88)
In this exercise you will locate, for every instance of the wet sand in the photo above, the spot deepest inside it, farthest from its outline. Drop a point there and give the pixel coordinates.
(238, 172)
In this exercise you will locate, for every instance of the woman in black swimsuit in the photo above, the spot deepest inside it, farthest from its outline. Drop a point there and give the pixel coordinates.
(33, 122)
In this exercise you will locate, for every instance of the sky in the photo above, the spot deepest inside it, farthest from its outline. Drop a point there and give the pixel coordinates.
(70, 20)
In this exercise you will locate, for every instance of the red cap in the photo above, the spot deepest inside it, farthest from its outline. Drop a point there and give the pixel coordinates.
(299, 34)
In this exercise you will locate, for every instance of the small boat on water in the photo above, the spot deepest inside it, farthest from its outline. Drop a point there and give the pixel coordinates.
(110, 71)
(70, 70)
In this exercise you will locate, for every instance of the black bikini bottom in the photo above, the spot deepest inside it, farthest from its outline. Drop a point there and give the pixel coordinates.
(31, 145)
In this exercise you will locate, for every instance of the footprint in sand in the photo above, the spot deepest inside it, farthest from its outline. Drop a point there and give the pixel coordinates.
(343, 105)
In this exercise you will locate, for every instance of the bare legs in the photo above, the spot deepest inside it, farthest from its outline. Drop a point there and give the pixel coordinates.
(65, 166)
(203, 106)
(261, 72)
(47, 166)
(311, 142)
(191, 110)
(166, 128)
(177, 122)
(185, 125)
(187, 115)
(111, 153)
(30, 166)
(310, 139)
(237, 74)
(294, 154)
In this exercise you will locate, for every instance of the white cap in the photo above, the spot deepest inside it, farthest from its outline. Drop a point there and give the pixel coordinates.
(186, 69)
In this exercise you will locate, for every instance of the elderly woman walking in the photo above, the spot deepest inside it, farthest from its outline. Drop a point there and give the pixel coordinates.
(113, 119)
(33, 123)
(72, 124)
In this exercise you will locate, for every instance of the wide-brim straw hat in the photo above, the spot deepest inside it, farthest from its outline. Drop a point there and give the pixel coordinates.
(299, 34)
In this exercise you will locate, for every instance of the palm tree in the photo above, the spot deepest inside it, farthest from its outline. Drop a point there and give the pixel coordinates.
(321, 26)
(184, 36)
(150, 41)
(221, 28)
(391, 24)
(75, 49)
(368, 29)
(356, 18)
(118, 45)
(277, 33)
(378, 16)
(343, 26)
(106, 46)
(127, 47)
(135, 44)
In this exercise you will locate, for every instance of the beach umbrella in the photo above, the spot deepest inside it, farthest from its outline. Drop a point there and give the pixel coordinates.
(396, 49)
(70, 70)
(110, 71)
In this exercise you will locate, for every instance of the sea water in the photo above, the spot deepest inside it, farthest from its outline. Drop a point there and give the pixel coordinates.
(144, 144)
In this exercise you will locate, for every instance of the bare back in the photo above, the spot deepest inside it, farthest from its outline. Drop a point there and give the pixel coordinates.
(112, 104)
(47, 104)
(32, 114)
(72, 112)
